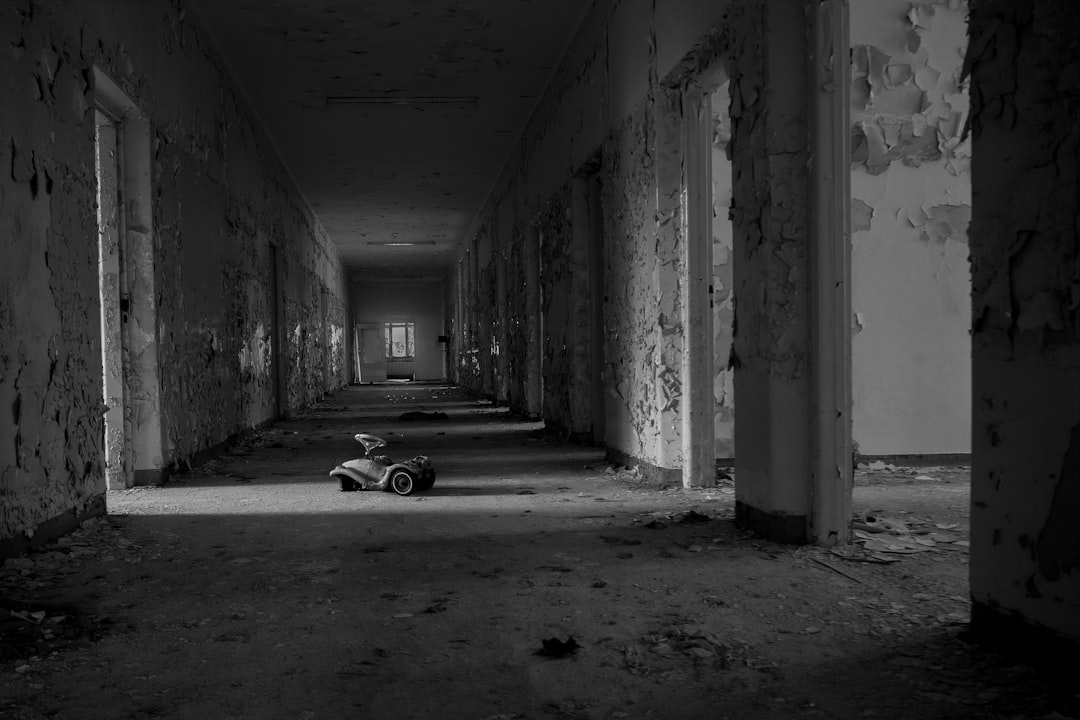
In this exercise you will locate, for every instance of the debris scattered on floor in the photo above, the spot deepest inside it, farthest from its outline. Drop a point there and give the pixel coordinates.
(419, 415)
(902, 537)
(878, 465)
(615, 540)
(657, 652)
(688, 517)
(556, 648)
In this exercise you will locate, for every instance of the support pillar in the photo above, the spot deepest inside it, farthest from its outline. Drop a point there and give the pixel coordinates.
(1025, 494)
(792, 478)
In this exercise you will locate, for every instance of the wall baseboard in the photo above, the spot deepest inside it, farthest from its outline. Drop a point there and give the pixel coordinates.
(661, 477)
(54, 527)
(918, 460)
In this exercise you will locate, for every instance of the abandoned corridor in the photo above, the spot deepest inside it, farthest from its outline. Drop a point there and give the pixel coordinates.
(316, 603)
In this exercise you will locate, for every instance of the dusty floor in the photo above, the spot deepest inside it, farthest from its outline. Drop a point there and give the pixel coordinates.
(253, 588)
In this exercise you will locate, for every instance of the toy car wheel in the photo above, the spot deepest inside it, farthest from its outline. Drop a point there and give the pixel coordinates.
(402, 482)
(427, 479)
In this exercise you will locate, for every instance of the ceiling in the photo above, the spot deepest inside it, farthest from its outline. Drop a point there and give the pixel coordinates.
(394, 116)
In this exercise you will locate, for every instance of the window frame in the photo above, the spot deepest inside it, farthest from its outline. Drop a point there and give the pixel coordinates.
(410, 341)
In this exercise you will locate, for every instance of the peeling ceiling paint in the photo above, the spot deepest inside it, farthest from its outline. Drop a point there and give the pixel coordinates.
(388, 172)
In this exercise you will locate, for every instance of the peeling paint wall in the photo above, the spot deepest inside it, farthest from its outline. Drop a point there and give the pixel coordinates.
(605, 99)
(770, 217)
(1025, 245)
(911, 205)
(564, 308)
(219, 197)
(723, 296)
(632, 322)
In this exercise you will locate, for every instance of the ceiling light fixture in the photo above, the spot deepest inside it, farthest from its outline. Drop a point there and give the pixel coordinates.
(400, 243)
(400, 100)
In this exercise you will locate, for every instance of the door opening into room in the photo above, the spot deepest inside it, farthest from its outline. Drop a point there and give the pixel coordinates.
(135, 447)
(111, 291)
(722, 296)
(707, 286)
(372, 356)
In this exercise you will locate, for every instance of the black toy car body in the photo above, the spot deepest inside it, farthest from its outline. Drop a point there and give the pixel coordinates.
(379, 472)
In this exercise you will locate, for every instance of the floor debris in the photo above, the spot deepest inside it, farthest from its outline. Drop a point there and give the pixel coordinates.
(262, 599)
(556, 648)
(419, 415)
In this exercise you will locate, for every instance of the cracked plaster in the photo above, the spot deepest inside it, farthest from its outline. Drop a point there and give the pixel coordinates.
(605, 96)
(216, 189)
(1024, 70)
(910, 211)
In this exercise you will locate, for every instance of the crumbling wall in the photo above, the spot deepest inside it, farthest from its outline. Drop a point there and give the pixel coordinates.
(564, 307)
(911, 204)
(601, 98)
(483, 313)
(517, 331)
(631, 353)
(222, 199)
(770, 217)
(219, 197)
(51, 427)
(1024, 67)
(723, 295)
(469, 350)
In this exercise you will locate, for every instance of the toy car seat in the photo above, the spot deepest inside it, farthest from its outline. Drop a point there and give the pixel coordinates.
(370, 442)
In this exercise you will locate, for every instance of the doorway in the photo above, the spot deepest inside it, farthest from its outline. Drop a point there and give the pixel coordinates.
(133, 431)
(708, 301)
(372, 353)
(113, 300)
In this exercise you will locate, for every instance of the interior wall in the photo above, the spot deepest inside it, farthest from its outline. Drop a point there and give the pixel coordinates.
(220, 197)
(911, 205)
(405, 300)
(565, 310)
(1025, 242)
(601, 99)
(723, 295)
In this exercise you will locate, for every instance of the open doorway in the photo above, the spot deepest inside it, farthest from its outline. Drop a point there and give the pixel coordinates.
(113, 300)
(723, 296)
(706, 283)
(371, 352)
(134, 440)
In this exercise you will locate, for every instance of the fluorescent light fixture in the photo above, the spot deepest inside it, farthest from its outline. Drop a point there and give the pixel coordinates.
(400, 243)
(401, 100)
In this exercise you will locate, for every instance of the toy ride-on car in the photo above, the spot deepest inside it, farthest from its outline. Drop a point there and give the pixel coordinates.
(379, 472)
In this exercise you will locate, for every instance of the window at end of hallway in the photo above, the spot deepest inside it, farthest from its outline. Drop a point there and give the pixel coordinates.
(400, 341)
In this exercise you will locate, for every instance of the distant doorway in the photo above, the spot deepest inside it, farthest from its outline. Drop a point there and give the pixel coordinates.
(371, 352)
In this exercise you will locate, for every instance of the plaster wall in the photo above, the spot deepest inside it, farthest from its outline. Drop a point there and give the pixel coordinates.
(416, 301)
(770, 216)
(218, 197)
(1025, 559)
(911, 205)
(723, 295)
(599, 115)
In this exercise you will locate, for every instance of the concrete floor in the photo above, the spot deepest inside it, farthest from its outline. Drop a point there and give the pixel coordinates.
(253, 588)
